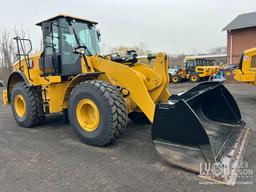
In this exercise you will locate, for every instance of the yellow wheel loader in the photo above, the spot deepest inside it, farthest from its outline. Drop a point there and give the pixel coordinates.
(246, 71)
(195, 69)
(99, 93)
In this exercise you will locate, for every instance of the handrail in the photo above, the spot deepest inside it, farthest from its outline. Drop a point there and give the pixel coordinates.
(20, 44)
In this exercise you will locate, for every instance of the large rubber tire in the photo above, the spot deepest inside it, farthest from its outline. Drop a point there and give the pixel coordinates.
(139, 118)
(34, 114)
(176, 79)
(111, 107)
(194, 78)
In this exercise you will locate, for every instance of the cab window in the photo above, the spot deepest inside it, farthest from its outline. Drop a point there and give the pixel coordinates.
(52, 40)
(253, 62)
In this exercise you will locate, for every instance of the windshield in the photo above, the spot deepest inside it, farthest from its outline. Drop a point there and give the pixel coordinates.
(86, 34)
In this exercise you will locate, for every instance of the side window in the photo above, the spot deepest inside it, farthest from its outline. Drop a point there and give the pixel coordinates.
(52, 40)
(55, 37)
(194, 63)
(70, 39)
(198, 63)
(253, 62)
(68, 43)
(190, 64)
(186, 64)
(48, 43)
(84, 36)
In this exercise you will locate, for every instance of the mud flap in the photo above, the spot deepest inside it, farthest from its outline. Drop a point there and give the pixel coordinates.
(202, 126)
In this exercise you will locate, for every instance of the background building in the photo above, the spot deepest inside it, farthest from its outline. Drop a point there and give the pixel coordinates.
(241, 35)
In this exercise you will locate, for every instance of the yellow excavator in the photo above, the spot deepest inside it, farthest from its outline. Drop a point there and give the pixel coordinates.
(246, 71)
(99, 93)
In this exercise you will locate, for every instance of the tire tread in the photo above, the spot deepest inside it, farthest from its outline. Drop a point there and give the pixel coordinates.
(116, 104)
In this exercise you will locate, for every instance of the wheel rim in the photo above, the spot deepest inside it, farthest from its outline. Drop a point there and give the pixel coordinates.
(87, 114)
(194, 78)
(20, 105)
(175, 79)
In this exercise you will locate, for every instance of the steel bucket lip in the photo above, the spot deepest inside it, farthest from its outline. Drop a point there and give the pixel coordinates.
(234, 160)
(174, 163)
(230, 180)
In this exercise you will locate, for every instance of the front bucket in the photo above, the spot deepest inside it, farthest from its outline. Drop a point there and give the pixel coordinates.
(200, 128)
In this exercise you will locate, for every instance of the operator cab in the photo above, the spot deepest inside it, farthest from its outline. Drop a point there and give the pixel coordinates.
(63, 38)
(191, 64)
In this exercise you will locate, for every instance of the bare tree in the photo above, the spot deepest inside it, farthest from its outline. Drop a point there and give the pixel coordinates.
(218, 50)
(176, 60)
(8, 51)
(7, 54)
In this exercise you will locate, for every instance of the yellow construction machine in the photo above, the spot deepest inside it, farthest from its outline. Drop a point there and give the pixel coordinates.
(195, 69)
(98, 93)
(246, 71)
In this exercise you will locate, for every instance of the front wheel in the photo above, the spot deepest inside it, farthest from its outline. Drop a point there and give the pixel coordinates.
(176, 79)
(97, 112)
(194, 78)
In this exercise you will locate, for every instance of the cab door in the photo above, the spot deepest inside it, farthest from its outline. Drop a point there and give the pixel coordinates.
(49, 61)
(70, 61)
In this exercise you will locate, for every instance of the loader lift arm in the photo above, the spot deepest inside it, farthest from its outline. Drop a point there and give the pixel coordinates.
(134, 81)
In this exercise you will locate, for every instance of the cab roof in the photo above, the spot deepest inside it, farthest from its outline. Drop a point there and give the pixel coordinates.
(66, 16)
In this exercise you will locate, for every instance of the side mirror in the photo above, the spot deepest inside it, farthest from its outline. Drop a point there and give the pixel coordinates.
(98, 35)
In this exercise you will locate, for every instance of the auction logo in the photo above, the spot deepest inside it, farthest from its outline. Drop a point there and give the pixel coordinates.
(216, 169)
(244, 173)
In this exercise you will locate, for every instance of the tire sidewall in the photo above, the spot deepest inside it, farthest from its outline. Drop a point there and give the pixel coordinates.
(197, 78)
(178, 79)
(104, 110)
(173, 79)
(21, 120)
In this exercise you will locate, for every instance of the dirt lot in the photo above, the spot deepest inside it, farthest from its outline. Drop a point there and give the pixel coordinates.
(51, 158)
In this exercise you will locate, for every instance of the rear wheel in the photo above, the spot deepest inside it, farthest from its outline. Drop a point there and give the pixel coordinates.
(194, 78)
(176, 79)
(138, 117)
(97, 112)
(26, 103)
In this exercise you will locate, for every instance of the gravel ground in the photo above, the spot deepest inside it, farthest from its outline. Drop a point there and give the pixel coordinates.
(51, 158)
